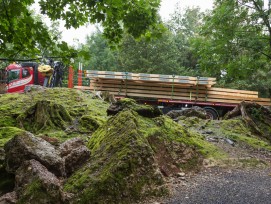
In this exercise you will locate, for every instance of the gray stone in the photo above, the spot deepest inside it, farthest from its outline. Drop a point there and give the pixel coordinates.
(26, 147)
(32, 174)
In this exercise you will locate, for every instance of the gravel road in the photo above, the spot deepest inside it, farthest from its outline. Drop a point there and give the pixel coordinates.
(220, 186)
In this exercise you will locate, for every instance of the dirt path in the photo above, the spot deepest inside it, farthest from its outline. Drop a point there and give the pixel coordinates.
(225, 186)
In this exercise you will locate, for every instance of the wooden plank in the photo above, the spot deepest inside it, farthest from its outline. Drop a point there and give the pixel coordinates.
(83, 87)
(176, 89)
(191, 96)
(184, 98)
(151, 83)
(233, 90)
(210, 90)
(96, 73)
(164, 80)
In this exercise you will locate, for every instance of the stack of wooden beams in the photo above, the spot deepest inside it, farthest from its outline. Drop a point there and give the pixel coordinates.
(171, 87)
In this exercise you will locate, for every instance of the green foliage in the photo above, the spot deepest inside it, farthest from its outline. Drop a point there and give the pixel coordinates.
(137, 17)
(235, 41)
(150, 56)
(185, 25)
(24, 35)
(101, 56)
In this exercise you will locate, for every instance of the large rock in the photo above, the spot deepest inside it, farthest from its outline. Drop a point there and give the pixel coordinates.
(26, 146)
(68, 146)
(35, 184)
(190, 112)
(76, 159)
(74, 153)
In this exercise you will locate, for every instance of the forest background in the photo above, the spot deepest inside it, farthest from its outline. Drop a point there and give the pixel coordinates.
(231, 42)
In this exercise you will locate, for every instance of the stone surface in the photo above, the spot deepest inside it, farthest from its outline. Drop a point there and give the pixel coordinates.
(25, 147)
(76, 159)
(35, 184)
(190, 112)
(68, 146)
(9, 198)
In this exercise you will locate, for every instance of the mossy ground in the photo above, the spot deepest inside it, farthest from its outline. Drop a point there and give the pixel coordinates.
(131, 155)
(245, 141)
(6, 133)
(77, 104)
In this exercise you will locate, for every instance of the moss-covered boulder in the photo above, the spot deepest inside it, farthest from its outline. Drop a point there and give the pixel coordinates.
(54, 113)
(131, 156)
(90, 123)
(44, 115)
(257, 118)
(130, 104)
(25, 146)
(35, 184)
(121, 165)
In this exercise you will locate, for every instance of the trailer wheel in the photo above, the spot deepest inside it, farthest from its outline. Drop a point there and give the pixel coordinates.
(211, 113)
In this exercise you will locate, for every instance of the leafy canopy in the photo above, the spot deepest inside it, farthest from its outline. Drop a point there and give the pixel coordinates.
(24, 34)
(135, 16)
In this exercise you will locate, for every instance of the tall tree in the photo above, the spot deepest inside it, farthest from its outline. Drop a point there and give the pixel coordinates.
(99, 54)
(150, 56)
(185, 25)
(234, 43)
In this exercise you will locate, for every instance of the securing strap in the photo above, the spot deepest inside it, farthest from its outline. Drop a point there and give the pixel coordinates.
(197, 96)
(172, 86)
(126, 76)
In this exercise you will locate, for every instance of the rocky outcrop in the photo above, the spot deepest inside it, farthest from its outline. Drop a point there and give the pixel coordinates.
(190, 112)
(35, 184)
(67, 147)
(26, 147)
(74, 153)
(37, 165)
(76, 159)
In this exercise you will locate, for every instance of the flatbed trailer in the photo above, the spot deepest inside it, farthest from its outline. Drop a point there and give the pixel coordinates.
(172, 92)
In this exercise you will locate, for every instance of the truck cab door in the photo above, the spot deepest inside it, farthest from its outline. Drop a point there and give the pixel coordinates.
(18, 79)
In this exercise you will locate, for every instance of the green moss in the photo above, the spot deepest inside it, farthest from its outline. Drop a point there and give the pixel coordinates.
(120, 169)
(90, 123)
(123, 156)
(34, 193)
(76, 104)
(143, 110)
(236, 130)
(179, 133)
(7, 133)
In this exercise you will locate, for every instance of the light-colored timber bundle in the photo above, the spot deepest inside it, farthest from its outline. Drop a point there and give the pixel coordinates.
(171, 87)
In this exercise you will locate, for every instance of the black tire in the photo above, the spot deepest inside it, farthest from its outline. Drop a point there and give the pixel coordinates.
(211, 113)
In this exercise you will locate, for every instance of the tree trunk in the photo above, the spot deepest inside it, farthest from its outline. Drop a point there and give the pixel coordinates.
(257, 117)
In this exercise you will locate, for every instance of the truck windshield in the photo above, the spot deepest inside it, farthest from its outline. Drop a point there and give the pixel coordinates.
(13, 75)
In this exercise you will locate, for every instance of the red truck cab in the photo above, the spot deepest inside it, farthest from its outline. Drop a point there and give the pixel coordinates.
(17, 76)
